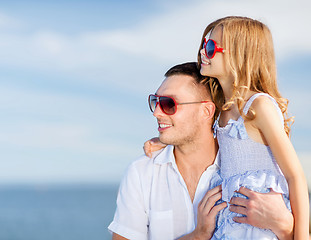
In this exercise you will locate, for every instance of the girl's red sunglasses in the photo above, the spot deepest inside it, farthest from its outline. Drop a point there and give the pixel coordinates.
(210, 47)
(168, 105)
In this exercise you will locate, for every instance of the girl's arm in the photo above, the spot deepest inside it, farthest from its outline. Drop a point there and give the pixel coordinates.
(153, 145)
(268, 122)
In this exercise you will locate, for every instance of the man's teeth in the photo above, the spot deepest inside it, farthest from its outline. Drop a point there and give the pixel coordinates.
(162, 125)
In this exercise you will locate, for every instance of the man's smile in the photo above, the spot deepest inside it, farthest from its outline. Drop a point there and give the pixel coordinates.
(163, 126)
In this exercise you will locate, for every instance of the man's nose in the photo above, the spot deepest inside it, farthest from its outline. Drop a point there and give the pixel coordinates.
(158, 111)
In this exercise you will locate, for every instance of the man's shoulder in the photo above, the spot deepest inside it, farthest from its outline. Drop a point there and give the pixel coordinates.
(143, 163)
(140, 172)
(157, 156)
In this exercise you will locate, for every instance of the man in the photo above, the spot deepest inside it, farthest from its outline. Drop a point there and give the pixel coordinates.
(167, 197)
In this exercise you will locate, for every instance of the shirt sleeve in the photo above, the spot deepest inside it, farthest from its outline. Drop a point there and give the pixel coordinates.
(130, 219)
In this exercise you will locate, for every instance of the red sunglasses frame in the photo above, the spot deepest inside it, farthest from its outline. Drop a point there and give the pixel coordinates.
(176, 104)
(217, 49)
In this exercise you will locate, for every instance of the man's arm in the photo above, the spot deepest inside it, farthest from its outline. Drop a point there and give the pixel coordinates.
(264, 210)
(207, 212)
(130, 219)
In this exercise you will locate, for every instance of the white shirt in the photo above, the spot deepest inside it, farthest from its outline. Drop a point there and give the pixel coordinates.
(153, 200)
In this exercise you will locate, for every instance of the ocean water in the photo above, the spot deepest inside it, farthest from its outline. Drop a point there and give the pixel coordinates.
(79, 212)
(68, 212)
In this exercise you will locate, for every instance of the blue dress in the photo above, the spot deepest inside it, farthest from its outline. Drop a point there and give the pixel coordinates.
(247, 163)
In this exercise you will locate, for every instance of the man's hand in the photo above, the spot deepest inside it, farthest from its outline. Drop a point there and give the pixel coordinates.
(264, 210)
(207, 212)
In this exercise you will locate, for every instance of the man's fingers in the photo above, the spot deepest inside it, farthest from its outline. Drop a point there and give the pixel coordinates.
(210, 193)
(273, 192)
(240, 219)
(239, 201)
(245, 191)
(217, 208)
(209, 202)
(238, 209)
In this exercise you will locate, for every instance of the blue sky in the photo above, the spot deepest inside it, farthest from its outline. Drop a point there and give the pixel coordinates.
(75, 76)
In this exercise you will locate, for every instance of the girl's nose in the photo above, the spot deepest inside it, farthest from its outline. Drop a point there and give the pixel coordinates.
(202, 52)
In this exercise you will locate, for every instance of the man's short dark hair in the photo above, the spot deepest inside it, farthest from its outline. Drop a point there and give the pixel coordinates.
(192, 69)
(189, 69)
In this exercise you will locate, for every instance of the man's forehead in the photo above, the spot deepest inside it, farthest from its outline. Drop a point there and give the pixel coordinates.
(182, 87)
(176, 84)
(178, 80)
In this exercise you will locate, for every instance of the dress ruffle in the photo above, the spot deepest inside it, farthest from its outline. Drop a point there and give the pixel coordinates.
(236, 128)
(259, 181)
(239, 231)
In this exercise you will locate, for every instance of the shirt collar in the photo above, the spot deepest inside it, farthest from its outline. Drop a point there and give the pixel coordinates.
(166, 155)
(217, 162)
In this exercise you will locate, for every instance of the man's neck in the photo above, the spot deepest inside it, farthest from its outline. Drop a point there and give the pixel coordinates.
(199, 155)
(193, 159)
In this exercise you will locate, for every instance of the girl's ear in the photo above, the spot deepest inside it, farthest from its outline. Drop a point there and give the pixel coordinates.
(209, 110)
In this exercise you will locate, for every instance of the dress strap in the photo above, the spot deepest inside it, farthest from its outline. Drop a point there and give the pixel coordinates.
(252, 98)
(216, 126)
(218, 117)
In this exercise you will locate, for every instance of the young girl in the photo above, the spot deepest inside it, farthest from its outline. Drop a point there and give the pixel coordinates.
(252, 129)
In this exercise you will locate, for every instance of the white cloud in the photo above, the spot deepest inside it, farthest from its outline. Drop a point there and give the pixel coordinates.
(176, 34)
(60, 121)
(56, 137)
(50, 43)
(305, 159)
(169, 37)
(77, 124)
(9, 23)
(297, 95)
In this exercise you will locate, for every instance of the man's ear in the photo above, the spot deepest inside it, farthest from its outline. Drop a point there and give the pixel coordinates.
(209, 110)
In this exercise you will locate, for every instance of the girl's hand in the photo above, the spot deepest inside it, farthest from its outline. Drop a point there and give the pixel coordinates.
(153, 145)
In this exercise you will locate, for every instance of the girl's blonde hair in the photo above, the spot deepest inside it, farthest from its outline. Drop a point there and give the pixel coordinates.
(251, 60)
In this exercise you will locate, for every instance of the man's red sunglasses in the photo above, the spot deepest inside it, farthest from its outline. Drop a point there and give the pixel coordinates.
(168, 105)
(210, 47)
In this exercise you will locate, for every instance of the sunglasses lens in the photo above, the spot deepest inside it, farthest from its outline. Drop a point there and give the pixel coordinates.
(210, 48)
(167, 105)
(152, 102)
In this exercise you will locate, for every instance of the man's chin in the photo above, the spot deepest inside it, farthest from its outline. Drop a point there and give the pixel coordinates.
(166, 141)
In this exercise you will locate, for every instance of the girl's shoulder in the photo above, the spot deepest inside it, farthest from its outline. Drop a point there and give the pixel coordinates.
(264, 103)
(267, 111)
(259, 101)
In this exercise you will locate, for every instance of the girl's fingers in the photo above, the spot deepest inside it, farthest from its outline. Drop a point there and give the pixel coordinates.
(154, 140)
(152, 145)
(147, 148)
